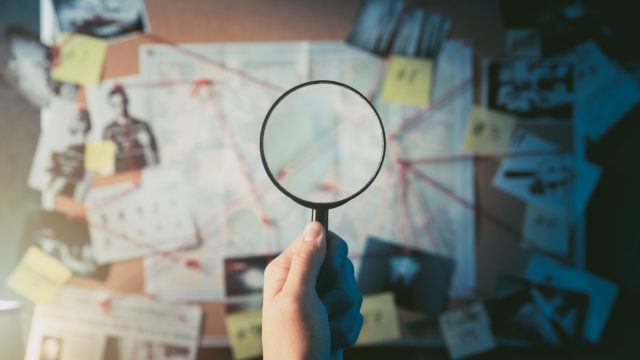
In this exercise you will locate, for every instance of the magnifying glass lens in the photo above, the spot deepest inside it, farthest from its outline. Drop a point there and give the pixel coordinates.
(323, 143)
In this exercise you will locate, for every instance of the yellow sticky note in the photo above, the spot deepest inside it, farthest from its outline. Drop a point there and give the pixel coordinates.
(100, 157)
(467, 331)
(408, 81)
(488, 131)
(380, 319)
(38, 276)
(245, 333)
(546, 227)
(80, 59)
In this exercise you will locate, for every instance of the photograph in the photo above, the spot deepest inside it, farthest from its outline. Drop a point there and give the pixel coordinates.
(534, 90)
(536, 313)
(105, 19)
(65, 239)
(27, 66)
(244, 275)
(419, 280)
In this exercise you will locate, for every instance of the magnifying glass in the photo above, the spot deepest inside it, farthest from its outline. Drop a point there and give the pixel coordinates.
(322, 144)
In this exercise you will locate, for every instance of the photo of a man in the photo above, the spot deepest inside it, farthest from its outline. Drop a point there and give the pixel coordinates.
(135, 142)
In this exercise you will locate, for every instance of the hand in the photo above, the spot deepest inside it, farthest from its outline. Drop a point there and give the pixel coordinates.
(297, 321)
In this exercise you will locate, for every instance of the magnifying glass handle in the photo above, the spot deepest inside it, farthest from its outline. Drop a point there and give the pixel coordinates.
(321, 216)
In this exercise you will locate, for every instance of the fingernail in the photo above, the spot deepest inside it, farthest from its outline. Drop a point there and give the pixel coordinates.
(312, 231)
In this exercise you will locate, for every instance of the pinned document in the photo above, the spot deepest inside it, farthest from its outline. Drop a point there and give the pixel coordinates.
(79, 59)
(488, 131)
(408, 81)
(380, 319)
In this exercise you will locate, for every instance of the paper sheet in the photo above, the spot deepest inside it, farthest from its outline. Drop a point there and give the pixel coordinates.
(381, 322)
(488, 131)
(95, 324)
(546, 227)
(80, 59)
(128, 221)
(39, 276)
(408, 81)
(602, 293)
(467, 331)
(245, 333)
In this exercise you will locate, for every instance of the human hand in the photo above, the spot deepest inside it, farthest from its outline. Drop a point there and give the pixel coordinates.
(297, 321)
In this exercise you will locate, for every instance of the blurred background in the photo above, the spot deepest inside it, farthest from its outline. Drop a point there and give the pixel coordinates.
(502, 224)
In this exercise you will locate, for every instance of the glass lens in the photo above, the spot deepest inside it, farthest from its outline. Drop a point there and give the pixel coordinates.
(323, 142)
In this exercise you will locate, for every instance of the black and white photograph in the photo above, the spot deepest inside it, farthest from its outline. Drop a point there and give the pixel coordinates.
(26, 66)
(65, 239)
(381, 15)
(58, 165)
(536, 313)
(105, 19)
(119, 348)
(419, 280)
(119, 113)
(534, 90)
(245, 275)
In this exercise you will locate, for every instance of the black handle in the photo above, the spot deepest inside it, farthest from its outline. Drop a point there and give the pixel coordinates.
(321, 216)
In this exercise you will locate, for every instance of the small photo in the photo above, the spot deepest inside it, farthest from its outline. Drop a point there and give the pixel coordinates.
(50, 348)
(66, 240)
(536, 313)
(540, 90)
(375, 24)
(107, 19)
(27, 68)
(245, 276)
(420, 281)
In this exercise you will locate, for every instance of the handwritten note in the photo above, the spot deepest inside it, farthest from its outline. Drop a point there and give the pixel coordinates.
(488, 131)
(80, 59)
(38, 277)
(245, 333)
(546, 227)
(467, 331)
(380, 319)
(408, 81)
(100, 157)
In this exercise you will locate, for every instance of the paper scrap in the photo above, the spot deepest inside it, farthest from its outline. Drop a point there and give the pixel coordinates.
(602, 293)
(408, 81)
(488, 131)
(467, 331)
(380, 319)
(546, 227)
(245, 333)
(80, 59)
(100, 157)
(39, 277)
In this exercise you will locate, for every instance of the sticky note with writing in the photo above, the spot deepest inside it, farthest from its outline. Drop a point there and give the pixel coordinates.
(380, 319)
(467, 331)
(80, 59)
(488, 131)
(38, 276)
(408, 80)
(100, 157)
(546, 227)
(245, 333)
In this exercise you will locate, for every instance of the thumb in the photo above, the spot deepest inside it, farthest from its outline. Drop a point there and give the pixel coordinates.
(307, 256)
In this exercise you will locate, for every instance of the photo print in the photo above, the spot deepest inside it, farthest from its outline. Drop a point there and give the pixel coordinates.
(420, 281)
(245, 275)
(535, 90)
(105, 19)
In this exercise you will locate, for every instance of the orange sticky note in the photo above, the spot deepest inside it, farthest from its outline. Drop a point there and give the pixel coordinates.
(408, 80)
(39, 276)
(488, 131)
(80, 59)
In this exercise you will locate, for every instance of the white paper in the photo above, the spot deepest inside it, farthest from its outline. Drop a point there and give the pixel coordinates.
(128, 221)
(467, 331)
(602, 293)
(94, 324)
